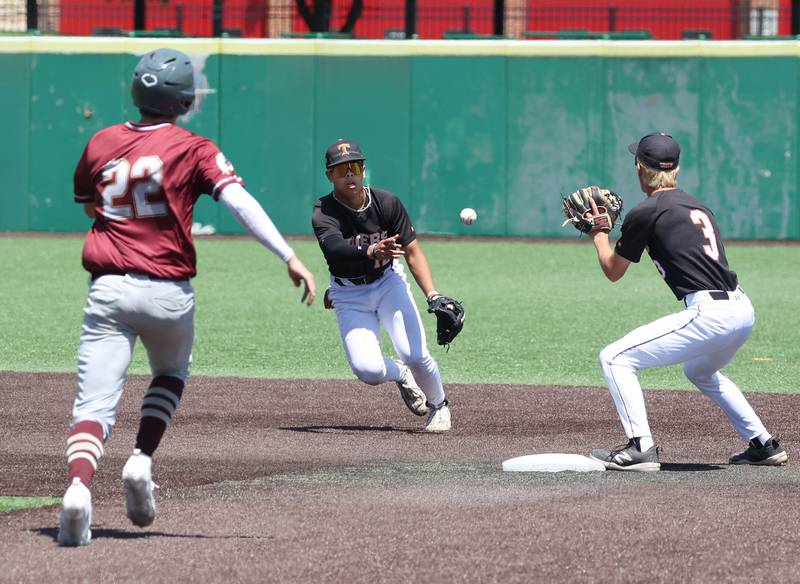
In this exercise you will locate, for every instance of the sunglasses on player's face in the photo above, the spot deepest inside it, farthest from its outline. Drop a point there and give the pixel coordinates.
(340, 170)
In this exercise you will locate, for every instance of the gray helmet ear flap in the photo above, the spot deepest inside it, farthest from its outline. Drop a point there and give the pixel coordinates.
(163, 83)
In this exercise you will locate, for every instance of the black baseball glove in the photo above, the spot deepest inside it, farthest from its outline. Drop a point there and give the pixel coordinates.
(449, 318)
(579, 211)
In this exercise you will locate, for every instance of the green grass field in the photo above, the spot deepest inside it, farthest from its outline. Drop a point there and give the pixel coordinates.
(19, 503)
(537, 313)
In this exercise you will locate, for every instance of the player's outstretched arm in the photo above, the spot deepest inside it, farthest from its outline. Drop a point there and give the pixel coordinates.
(251, 216)
(299, 273)
(420, 268)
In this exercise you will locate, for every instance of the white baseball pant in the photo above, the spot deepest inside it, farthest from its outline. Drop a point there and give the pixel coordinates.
(362, 309)
(118, 310)
(704, 337)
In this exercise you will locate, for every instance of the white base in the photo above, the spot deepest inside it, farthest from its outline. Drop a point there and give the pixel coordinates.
(552, 462)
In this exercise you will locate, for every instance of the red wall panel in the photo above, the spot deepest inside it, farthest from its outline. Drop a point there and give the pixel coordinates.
(665, 19)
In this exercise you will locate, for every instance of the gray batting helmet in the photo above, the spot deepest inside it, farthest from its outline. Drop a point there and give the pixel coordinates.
(163, 83)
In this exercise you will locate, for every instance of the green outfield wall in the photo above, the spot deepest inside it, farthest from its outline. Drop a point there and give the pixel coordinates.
(504, 127)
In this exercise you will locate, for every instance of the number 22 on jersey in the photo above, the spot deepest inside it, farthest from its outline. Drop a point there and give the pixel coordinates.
(711, 250)
(131, 191)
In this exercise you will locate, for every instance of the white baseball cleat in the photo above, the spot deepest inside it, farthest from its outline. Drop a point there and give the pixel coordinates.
(76, 515)
(439, 419)
(139, 486)
(413, 396)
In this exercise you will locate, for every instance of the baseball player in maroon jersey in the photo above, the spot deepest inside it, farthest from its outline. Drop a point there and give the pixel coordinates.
(683, 239)
(363, 232)
(140, 182)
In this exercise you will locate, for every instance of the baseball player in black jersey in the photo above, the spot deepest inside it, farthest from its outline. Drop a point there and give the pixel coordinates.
(682, 238)
(363, 232)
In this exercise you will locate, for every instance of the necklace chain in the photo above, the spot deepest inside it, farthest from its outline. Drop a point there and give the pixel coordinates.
(367, 201)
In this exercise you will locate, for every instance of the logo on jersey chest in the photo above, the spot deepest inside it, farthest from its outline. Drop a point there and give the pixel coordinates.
(365, 239)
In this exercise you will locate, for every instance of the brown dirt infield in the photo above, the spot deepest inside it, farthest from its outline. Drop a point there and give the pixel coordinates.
(312, 481)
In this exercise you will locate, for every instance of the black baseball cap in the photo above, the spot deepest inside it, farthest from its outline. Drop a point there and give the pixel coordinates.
(658, 151)
(342, 151)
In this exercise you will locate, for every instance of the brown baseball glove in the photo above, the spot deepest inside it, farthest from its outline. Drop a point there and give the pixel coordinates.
(592, 208)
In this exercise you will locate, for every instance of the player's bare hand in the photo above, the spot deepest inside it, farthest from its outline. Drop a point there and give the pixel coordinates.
(595, 212)
(388, 249)
(300, 274)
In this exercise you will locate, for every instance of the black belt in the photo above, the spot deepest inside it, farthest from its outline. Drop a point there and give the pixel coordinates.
(360, 280)
(719, 295)
(715, 295)
(96, 275)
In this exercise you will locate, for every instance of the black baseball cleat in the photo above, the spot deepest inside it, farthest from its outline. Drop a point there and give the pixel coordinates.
(628, 457)
(769, 454)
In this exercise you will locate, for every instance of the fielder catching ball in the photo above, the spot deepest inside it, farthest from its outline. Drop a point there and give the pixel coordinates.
(683, 239)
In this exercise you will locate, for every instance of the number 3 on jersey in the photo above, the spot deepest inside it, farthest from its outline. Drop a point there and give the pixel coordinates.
(702, 219)
(133, 191)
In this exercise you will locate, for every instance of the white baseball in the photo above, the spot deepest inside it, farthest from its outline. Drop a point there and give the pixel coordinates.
(468, 216)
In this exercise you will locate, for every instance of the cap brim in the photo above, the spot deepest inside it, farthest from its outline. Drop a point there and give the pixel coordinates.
(632, 148)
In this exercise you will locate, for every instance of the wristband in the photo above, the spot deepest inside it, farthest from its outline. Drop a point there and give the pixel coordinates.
(432, 294)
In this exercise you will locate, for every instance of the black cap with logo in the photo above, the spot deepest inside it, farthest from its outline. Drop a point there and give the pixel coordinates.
(658, 151)
(342, 151)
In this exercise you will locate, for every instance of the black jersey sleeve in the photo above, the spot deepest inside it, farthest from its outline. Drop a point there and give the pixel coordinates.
(637, 229)
(399, 221)
(336, 248)
(329, 234)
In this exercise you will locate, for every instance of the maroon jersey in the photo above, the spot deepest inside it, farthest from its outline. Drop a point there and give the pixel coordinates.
(144, 181)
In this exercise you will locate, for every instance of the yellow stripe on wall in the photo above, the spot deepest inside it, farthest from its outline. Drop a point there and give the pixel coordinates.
(103, 45)
(383, 48)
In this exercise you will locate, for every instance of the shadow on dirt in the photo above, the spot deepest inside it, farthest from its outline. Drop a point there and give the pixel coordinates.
(687, 467)
(348, 429)
(52, 532)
